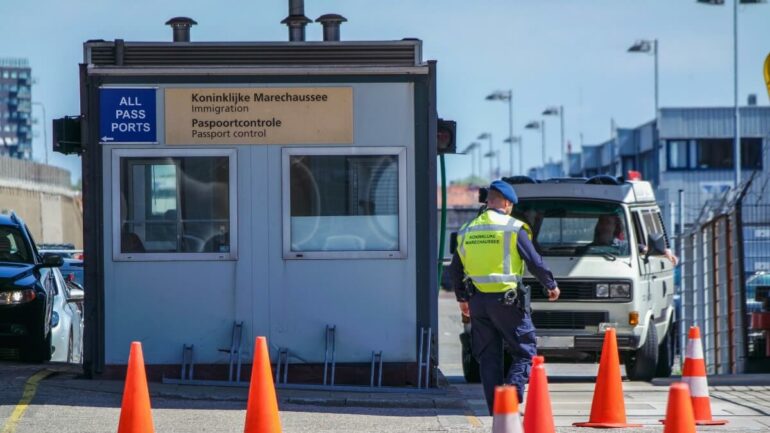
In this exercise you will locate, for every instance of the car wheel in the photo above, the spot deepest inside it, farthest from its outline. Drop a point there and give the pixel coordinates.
(38, 349)
(641, 364)
(666, 354)
(471, 371)
(70, 355)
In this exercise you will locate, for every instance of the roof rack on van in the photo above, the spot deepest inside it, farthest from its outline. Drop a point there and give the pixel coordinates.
(515, 180)
(565, 180)
(604, 179)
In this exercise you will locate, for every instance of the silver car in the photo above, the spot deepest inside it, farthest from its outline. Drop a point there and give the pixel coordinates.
(67, 322)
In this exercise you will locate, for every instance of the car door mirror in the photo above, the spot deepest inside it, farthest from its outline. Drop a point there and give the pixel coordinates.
(52, 261)
(656, 245)
(76, 295)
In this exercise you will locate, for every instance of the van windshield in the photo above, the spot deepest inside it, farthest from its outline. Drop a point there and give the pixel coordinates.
(576, 227)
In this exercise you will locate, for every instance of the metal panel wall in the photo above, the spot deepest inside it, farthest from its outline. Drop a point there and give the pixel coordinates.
(712, 122)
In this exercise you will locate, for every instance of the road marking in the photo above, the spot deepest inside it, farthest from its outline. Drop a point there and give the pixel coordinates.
(30, 388)
(472, 420)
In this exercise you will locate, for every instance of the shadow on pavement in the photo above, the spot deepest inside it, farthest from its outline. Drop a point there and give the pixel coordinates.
(67, 387)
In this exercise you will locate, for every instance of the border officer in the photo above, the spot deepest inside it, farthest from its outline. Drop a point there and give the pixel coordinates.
(485, 274)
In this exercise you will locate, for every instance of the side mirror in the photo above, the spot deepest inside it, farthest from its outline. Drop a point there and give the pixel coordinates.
(76, 295)
(452, 242)
(656, 245)
(52, 261)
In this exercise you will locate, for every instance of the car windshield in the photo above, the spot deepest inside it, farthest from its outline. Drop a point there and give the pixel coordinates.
(12, 246)
(576, 228)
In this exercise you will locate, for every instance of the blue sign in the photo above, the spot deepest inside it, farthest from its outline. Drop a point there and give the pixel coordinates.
(127, 115)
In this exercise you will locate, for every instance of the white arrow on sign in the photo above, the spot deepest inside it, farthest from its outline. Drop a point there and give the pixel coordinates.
(105, 138)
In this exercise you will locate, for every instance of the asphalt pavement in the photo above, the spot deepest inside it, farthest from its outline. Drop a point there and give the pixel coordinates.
(63, 402)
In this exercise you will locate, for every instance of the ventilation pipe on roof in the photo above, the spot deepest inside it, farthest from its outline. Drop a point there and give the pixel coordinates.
(296, 21)
(331, 24)
(752, 100)
(181, 27)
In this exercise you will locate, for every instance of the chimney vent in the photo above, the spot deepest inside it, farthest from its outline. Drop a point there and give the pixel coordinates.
(331, 24)
(181, 27)
(296, 21)
(752, 100)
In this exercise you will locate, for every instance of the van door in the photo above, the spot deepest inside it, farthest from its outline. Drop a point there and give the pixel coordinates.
(642, 290)
(661, 272)
(662, 276)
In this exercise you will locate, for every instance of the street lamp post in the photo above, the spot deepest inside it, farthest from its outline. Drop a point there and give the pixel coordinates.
(501, 95)
(649, 47)
(552, 111)
(45, 134)
(539, 125)
(480, 156)
(736, 114)
(515, 139)
(472, 148)
(490, 154)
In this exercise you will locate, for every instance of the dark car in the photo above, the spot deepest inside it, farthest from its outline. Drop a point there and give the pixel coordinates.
(27, 290)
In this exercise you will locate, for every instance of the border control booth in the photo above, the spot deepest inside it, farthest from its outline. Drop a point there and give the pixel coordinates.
(284, 189)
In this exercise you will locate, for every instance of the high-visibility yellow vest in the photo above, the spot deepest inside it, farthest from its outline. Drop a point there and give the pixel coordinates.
(487, 249)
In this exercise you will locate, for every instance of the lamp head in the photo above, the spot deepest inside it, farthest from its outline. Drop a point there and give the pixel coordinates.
(533, 125)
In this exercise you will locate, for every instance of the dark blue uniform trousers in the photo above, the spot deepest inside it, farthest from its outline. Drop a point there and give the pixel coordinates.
(491, 324)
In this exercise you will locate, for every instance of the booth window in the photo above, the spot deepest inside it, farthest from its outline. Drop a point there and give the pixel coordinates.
(175, 204)
(345, 205)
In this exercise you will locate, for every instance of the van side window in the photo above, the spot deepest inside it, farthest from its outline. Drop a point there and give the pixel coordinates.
(649, 223)
(659, 219)
(640, 239)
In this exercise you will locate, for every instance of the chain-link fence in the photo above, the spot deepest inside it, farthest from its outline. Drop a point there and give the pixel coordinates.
(724, 280)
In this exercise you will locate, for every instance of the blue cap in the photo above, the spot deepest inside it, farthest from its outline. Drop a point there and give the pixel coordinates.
(506, 190)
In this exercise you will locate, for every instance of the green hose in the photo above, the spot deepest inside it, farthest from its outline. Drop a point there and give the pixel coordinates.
(442, 231)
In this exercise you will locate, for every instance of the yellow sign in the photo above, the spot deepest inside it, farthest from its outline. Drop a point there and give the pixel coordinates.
(767, 74)
(259, 115)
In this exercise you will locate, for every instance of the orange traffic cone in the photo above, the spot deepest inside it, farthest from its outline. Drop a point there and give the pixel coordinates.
(505, 412)
(135, 412)
(679, 417)
(538, 416)
(694, 375)
(262, 407)
(608, 409)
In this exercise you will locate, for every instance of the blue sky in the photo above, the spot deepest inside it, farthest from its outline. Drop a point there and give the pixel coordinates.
(550, 52)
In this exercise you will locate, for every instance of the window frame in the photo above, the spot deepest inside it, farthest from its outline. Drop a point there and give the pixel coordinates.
(688, 158)
(119, 154)
(287, 152)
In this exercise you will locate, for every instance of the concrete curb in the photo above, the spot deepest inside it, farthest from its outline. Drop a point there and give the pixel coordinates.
(450, 399)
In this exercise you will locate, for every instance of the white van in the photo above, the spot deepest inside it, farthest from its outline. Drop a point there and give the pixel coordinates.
(604, 241)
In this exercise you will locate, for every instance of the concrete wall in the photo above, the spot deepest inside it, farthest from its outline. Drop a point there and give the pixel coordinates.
(42, 197)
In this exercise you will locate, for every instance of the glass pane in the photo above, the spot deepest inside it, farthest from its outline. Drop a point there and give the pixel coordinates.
(751, 153)
(178, 204)
(12, 246)
(715, 153)
(344, 203)
(677, 154)
(575, 228)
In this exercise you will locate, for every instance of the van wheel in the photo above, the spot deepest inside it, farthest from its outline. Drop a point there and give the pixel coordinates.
(666, 354)
(471, 371)
(641, 364)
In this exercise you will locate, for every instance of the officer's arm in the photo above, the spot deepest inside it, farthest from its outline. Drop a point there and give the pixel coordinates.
(535, 263)
(453, 278)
